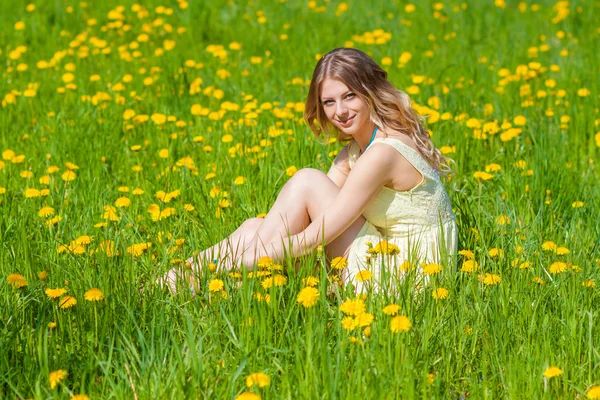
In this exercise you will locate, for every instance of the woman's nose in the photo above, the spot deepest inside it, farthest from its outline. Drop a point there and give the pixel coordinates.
(341, 108)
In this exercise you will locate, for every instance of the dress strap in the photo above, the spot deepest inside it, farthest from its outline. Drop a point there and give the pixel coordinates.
(412, 155)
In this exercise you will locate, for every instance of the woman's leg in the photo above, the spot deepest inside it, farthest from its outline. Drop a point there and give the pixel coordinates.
(303, 198)
(227, 248)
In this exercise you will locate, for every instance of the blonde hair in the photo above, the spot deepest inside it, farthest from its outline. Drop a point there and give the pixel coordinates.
(389, 107)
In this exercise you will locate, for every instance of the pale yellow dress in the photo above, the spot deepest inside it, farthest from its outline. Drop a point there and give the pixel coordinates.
(420, 222)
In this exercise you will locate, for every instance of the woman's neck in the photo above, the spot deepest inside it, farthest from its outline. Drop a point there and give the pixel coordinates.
(363, 139)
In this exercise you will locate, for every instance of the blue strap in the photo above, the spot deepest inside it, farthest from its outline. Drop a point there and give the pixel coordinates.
(372, 137)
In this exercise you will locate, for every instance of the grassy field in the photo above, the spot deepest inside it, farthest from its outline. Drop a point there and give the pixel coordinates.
(133, 135)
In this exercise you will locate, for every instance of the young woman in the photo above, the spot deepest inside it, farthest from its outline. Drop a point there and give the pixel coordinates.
(383, 185)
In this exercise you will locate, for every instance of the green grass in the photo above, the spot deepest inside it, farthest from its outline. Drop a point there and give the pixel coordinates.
(481, 342)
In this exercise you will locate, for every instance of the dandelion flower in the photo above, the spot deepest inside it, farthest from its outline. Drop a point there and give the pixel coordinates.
(247, 396)
(553, 372)
(339, 263)
(122, 202)
(80, 397)
(310, 281)
(364, 320)
(349, 323)
(385, 247)
(94, 294)
(68, 176)
(484, 176)
(353, 307)
(391, 309)
(440, 293)
(562, 251)
(593, 393)
(67, 302)
(56, 377)
(16, 280)
(558, 267)
(400, 323)
(46, 212)
(259, 379)
(54, 293)
(467, 253)
(431, 269)
(588, 283)
(265, 262)
(550, 246)
(469, 266)
(495, 252)
(491, 279)
(308, 297)
(363, 275)
(215, 285)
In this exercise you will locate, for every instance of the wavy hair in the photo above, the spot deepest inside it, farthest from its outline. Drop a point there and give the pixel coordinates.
(389, 107)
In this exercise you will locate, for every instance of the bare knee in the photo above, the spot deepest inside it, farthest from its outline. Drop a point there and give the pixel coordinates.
(306, 179)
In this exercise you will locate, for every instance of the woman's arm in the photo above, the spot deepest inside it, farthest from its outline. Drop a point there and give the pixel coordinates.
(340, 169)
(371, 171)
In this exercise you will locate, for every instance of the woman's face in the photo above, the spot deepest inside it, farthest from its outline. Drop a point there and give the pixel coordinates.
(345, 109)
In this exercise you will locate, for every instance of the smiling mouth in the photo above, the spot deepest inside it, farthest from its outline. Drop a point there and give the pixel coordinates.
(346, 121)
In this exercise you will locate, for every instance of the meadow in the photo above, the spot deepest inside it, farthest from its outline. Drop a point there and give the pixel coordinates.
(132, 135)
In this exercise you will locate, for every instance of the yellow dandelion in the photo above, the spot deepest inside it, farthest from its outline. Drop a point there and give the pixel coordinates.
(558, 267)
(308, 297)
(68, 176)
(247, 396)
(56, 377)
(310, 281)
(391, 309)
(364, 320)
(353, 307)
(491, 279)
(400, 323)
(290, 171)
(54, 293)
(122, 202)
(431, 269)
(553, 372)
(593, 392)
(215, 285)
(481, 175)
(549, 246)
(16, 280)
(46, 212)
(469, 266)
(364, 275)
(94, 294)
(467, 253)
(259, 379)
(265, 262)
(80, 397)
(67, 302)
(348, 323)
(339, 263)
(440, 294)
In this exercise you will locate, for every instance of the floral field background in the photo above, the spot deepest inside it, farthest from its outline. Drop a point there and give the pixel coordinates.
(133, 134)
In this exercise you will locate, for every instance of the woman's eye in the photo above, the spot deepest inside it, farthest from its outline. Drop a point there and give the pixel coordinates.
(350, 95)
(327, 102)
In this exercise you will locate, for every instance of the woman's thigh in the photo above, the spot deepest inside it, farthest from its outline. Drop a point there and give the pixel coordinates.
(321, 192)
